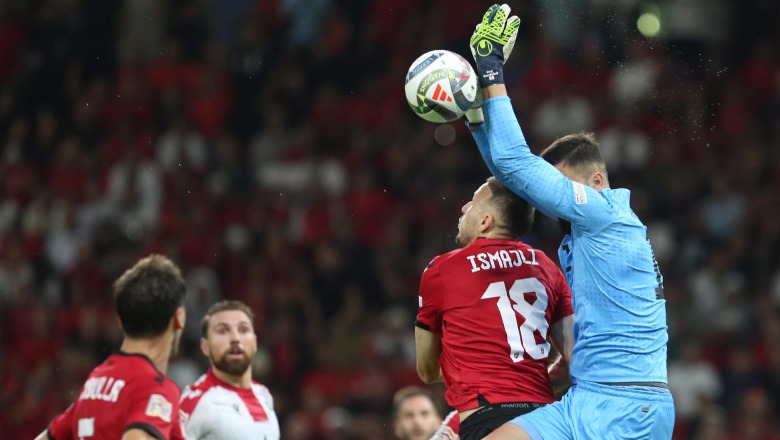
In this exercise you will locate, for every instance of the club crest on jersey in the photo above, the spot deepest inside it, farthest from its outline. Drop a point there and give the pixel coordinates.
(158, 406)
(580, 196)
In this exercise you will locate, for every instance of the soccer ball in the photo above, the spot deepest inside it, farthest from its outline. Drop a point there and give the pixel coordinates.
(440, 86)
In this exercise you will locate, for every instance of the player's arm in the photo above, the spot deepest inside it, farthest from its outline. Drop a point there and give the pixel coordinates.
(152, 410)
(507, 172)
(562, 336)
(427, 332)
(60, 426)
(561, 333)
(526, 174)
(530, 176)
(479, 133)
(428, 350)
(560, 378)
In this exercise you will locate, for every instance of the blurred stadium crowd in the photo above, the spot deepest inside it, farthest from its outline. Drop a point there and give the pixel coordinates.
(265, 146)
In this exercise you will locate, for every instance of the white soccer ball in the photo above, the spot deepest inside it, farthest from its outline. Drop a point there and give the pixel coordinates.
(440, 86)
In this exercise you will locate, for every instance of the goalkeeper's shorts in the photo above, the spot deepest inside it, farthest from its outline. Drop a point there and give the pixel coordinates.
(595, 411)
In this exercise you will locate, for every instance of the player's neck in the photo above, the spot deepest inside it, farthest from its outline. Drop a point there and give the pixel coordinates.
(242, 381)
(158, 350)
(497, 235)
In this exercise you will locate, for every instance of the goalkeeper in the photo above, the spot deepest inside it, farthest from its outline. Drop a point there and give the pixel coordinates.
(618, 365)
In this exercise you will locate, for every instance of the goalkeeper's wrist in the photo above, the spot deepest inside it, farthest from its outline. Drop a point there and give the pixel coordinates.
(494, 91)
(490, 74)
(475, 116)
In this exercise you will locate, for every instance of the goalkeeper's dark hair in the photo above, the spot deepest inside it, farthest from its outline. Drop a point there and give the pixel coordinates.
(413, 391)
(147, 296)
(579, 150)
(516, 215)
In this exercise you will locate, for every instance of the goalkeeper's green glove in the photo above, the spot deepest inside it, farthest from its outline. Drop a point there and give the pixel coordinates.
(492, 42)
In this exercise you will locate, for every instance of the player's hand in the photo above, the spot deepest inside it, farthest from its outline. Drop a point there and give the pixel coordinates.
(475, 115)
(492, 42)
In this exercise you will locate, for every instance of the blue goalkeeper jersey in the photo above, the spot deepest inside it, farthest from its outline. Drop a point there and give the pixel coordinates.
(620, 328)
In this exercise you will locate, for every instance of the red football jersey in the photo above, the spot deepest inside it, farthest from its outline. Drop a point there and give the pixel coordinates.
(493, 302)
(124, 392)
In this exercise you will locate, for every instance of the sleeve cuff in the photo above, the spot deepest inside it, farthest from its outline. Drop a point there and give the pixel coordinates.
(422, 325)
(148, 428)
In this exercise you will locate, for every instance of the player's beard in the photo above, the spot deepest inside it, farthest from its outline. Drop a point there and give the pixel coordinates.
(234, 367)
(462, 238)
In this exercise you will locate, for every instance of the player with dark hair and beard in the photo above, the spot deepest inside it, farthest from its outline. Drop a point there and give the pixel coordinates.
(225, 403)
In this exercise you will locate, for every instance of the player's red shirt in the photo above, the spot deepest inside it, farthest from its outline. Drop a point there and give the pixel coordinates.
(124, 392)
(493, 302)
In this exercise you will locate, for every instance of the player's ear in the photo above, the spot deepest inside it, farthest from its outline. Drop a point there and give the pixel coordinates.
(204, 347)
(179, 318)
(487, 222)
(598, 181)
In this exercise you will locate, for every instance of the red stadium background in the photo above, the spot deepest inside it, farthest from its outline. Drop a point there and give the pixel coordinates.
(266, 147)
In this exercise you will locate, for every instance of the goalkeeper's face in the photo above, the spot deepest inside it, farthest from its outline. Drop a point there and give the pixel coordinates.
(230, 343)
(417, 419)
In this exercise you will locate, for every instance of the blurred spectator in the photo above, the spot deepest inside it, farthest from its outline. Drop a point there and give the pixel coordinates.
(134, 193)
(694, 383)
(63, 240)
(203, 291)
(636, 78)
(416, 414)
(181, 146)
(562, 113)
(266, 147)
(227, 15)
(140, 30)
(624, 146)
(16, 274)
(306, 20)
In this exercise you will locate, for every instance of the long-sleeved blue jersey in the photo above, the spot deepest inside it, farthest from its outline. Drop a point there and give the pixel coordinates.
(620, 328)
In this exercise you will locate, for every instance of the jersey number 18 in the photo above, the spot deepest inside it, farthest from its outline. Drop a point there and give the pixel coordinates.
(530, 301)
